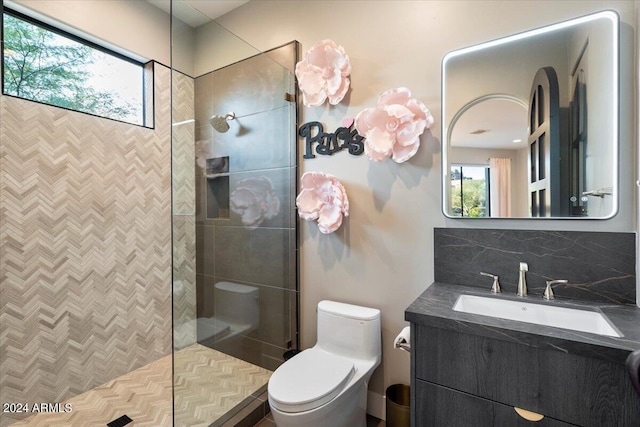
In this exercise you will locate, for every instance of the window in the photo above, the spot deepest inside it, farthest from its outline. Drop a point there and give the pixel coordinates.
(469, 191)
(48, 65)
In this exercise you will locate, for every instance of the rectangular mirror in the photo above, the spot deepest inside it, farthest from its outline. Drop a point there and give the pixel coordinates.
(530, 123)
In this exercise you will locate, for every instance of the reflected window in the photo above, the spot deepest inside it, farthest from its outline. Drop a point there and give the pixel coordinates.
(469, 191)
(45, 64)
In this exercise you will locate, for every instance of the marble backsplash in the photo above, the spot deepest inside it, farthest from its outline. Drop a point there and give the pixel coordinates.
(600, 266)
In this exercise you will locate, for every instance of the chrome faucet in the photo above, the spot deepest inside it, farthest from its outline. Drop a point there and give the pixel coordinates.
(522, 280)
(548, 292)
(495, 288)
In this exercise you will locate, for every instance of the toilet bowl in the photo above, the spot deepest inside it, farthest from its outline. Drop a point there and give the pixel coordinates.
(327, 384)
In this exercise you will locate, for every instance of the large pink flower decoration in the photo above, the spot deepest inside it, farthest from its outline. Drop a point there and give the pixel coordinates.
(323, 73)
(255, 200)
(393, 127)
(323, 198)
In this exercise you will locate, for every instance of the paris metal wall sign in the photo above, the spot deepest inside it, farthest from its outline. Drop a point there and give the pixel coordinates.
(326, 144)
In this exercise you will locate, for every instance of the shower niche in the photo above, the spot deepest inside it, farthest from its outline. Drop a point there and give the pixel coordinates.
(217, 189)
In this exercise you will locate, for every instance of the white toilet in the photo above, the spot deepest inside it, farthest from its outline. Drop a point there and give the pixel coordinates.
(327, 385)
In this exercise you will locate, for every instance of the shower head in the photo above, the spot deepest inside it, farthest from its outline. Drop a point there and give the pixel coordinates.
(221, 123)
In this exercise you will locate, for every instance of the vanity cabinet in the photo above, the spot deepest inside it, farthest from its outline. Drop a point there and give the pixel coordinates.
(442, 406)
(466, 379)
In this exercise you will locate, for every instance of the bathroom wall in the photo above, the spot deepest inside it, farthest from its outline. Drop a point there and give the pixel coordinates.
(382, 255)
(245, 223)
(135, 27)
(85, 247)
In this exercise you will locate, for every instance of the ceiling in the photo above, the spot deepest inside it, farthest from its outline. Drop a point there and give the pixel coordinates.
(197, 12)
(494, 123)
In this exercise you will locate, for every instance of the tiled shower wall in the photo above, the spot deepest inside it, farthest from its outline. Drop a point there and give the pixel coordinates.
(85, 247)
(245, 223)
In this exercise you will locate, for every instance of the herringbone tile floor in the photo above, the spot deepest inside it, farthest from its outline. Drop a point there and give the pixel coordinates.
(208, 383)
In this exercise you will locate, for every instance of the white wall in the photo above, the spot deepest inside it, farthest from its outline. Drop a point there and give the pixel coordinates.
(134, 26)
(382, 256)
(215, 47)
(594, 62)
(494, 71)
(183, 40)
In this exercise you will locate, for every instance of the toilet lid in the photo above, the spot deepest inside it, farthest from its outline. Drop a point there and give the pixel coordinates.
(309, 380)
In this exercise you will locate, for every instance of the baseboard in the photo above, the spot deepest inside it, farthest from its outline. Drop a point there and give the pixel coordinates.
(376, 405)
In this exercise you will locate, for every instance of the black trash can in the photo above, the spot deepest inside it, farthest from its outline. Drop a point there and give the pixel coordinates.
(398, 405)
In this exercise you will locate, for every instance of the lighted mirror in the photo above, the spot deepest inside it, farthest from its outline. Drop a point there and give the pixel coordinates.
(530, 123)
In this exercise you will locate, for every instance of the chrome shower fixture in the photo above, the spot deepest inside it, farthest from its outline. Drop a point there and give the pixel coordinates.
(221, 123)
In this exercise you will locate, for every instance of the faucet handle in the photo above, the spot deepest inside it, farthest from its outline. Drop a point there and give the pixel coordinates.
(548, 292)
(495, 287)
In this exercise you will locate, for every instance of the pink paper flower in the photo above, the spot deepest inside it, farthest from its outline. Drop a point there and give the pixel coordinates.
(323, 73)
(254, 200)
(323, 198)
(393, 127)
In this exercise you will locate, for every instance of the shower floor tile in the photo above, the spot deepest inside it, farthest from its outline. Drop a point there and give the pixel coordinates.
(208, 384)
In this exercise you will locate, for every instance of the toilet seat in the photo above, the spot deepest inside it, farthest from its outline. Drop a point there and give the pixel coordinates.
(309, 380)
(210, 327)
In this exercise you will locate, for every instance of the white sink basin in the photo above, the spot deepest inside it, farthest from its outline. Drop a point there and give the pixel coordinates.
(541, 314)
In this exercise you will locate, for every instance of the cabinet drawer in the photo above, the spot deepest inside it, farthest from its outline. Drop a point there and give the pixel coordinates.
(580, 390)
(443, 407)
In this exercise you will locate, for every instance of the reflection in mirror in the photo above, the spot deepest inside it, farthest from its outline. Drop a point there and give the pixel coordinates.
(488, 130)
(530, 123)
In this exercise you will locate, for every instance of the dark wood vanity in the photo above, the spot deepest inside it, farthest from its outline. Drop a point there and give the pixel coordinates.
(470, 370)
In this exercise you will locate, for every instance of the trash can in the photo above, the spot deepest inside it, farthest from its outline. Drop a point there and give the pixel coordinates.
(398, 405)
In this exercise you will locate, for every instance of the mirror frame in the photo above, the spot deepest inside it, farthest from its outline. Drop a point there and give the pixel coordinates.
(615, 108)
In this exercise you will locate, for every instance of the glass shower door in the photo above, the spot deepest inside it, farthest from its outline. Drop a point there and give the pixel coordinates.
(234, 180)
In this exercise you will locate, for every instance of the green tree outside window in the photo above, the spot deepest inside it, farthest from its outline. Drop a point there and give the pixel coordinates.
(469, 192)
(44, 66)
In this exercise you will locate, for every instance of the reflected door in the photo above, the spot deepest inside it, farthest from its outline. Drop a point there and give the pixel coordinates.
(544, 145)
(578, 141)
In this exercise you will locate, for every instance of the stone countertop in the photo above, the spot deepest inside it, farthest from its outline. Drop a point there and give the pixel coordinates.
(434, 308)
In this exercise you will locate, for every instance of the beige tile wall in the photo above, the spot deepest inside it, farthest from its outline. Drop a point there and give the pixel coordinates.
(184, 232)
(85, 247)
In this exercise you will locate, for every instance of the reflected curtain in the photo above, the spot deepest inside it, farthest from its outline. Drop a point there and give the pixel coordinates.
(500, 187)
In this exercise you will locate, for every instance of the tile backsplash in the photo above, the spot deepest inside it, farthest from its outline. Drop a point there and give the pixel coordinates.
(600, 266)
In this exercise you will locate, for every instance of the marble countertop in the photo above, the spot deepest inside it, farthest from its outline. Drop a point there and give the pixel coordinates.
(434, 308)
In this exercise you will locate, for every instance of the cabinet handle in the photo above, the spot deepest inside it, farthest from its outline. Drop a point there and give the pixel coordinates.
(633, 365)
(528, 415)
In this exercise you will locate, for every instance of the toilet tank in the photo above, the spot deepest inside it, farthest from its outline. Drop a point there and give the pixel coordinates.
(349, 330)
(236, 304)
